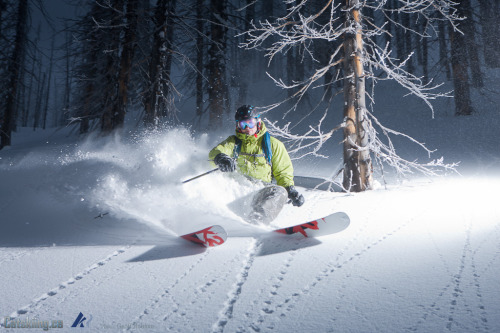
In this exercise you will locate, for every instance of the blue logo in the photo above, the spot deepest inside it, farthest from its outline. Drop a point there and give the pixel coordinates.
(82, 321)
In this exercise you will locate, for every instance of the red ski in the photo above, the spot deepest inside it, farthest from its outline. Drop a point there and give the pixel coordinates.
(325, 226)
(209, 237)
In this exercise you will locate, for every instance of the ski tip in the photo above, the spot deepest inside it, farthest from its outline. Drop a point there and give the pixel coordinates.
(212, 236)
(327, 225)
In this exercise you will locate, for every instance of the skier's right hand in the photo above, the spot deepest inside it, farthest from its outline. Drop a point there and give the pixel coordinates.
(294, 195)
(225, 163)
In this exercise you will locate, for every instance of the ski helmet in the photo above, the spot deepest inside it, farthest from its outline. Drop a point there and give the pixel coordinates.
(245, 112)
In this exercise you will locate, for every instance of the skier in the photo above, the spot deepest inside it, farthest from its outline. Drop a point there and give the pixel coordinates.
(258, 155)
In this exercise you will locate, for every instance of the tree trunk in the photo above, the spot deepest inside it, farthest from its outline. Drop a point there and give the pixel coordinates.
(465, 10)
(291, 67)
(490, 18)
(26, 112)
(110, 95)
(49, 82)
(443, 48)
(155, 101)
(200, 53)
(151, 118)
(408, 47)
(324, 48)
(396, 16)
(120, 107)
(167, 59)
(217, 92)
(245, 57)
(15, 66)
(459, 68)
(93, 50)
(425, 58)
(67, 88)
(39, 97)
(357, 162)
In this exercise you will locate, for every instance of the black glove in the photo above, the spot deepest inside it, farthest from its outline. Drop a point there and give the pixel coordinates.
(295, 196)
(225, 163)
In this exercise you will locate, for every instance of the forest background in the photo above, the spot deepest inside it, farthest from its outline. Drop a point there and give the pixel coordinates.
(109, 65)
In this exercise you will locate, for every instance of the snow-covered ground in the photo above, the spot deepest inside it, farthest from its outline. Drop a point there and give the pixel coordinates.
(90, 227)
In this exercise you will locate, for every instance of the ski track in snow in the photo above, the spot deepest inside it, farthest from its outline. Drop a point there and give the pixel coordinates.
(454, 290)
(332, 267)
(467, 270)
(158, 300)
(465, 279)
(270, 307)
(226, 314)
(496, 235)
(458, 283)
(8, 256)
(38, 301)
(177, 313)
(275, 286)
(109, 276)
(35, 303)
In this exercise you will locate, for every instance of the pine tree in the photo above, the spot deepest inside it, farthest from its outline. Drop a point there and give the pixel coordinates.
(157, 99)
(490, 18)
(471, 45)
(459, 65)
(90, 71)
(200, 56)
(216, 68)
(112, 25)
(127, 55)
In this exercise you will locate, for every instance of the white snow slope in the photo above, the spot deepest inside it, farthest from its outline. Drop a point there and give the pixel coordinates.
(420, 256)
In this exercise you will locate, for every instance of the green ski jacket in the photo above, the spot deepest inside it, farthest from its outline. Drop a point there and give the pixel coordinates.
(251, 160)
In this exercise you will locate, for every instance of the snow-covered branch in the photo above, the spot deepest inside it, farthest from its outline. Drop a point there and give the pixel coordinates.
(385, 152)
(305, 144)
(381, 59)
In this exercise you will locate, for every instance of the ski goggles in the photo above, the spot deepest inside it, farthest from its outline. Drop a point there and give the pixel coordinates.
(250, 123)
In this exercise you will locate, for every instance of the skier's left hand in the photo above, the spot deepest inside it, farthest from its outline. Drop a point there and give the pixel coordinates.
(295, 196)
(225, 163)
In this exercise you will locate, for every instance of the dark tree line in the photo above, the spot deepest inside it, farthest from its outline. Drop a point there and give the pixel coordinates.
(13, 62)
(123, 54)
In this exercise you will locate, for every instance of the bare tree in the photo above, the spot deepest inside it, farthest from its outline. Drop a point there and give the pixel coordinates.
(360, 58)
(357, 161)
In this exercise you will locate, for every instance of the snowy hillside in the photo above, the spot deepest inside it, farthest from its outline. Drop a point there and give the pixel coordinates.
(90, 227)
